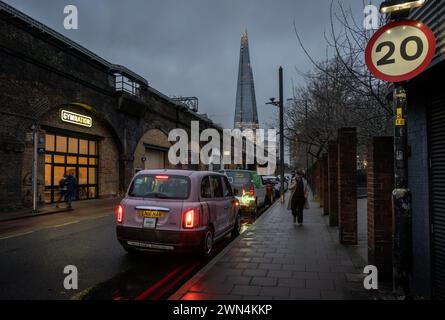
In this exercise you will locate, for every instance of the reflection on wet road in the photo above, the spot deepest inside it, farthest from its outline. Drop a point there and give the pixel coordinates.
(156, 276)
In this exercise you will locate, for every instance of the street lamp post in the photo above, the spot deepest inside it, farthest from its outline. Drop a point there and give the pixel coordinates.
(280, 105)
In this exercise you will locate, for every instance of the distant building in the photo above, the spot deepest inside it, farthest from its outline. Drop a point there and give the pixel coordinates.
(246, 115)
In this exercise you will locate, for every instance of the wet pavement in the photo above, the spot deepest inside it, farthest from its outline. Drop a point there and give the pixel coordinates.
(275, 259)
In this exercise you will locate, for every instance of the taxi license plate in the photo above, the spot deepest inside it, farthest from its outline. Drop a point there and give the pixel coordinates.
(151, 214)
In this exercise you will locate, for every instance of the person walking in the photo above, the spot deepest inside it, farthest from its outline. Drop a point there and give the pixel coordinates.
(62, 190)
(299, 198)
(71, 183)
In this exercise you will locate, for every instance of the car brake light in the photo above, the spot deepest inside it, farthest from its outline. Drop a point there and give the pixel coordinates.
(190, 219)
(244, 192)
(161, 177)
(252, 190)
(120, 214)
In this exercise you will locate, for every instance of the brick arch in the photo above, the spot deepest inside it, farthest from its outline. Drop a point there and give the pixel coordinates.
(110, 147)
(96, 114)
(155, 136)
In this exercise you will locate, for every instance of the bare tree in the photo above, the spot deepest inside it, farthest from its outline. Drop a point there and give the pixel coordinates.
(339, 91)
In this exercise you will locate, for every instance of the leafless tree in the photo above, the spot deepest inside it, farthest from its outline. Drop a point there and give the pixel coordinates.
(339, 91)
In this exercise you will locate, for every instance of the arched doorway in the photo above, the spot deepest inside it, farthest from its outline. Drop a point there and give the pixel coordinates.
(78, 142)
(152, 151)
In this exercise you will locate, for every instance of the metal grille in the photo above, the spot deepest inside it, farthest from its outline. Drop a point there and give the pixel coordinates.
(433, 15)
(437, 138)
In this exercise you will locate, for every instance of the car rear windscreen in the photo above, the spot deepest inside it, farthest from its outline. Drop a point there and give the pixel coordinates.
(160, 186)
(239, 178)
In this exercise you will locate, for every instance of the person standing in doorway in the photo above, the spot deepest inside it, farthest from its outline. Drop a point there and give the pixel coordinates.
(298, 199)
(71, 183)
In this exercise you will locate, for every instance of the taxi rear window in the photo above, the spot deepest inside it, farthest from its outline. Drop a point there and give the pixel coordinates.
(160, 186)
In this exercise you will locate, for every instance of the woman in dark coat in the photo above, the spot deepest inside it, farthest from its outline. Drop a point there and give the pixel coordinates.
(298, 199)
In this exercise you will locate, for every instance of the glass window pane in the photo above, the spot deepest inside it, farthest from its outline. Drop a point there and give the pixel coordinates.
(71, 160)
(48, 196)
(83, 146)
(49, 142)
(59, 159)
(92, 176)
(61, 144)
(48, 158)
(83, 192)
(83, 160)
(58, 174)
(93, 148)
(71, 170)
(72, 145)
(206, 191)
(47, 175)
(83, 176)
(216, 186)
(92, 193)
(93, 161)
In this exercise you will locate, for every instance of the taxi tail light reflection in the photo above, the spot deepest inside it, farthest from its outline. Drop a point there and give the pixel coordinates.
(120, 213)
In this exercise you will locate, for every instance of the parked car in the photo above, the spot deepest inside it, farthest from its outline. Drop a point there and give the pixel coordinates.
(272, 188)
(249, 189)
(175, 210)
(286, 183)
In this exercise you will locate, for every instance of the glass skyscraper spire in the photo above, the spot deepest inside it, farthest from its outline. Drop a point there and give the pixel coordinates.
(246, 115)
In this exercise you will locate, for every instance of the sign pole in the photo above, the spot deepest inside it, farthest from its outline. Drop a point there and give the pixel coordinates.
(281, 105)
(401, 196)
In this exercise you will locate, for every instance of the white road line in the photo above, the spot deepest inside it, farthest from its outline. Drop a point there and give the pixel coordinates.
(16, 235)
(64, 224)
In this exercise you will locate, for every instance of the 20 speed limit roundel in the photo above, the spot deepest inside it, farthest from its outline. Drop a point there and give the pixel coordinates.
(400, 50)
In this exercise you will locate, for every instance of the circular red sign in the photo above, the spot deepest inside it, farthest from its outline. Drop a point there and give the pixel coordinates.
(385, 31)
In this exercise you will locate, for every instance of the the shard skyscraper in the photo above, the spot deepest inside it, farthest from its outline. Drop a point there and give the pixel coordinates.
(246, 115)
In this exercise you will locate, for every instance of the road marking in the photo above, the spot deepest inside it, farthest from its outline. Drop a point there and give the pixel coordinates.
(16, 235)
(64, 224)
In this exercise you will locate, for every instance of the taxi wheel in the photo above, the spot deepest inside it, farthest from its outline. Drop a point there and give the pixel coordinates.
(207, 244)
(237, 227)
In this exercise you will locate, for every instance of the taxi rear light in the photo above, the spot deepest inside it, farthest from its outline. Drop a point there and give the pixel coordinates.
(252, 190)
(120, 214)
(244, 192)
(190, 219)
(161, 177)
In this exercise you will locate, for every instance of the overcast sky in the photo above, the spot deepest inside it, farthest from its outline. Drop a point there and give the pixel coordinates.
(191, 47)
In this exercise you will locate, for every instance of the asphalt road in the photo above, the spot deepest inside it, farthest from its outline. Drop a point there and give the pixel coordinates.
(35, 251)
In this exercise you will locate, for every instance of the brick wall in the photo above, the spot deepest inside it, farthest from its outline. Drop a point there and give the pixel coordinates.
(325, 187)
(380, 172)
(347, 185)
(333, 183)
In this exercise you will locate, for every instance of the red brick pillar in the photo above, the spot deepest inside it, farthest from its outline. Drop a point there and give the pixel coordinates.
(333, 183)
(325, 191)
(321, 181)
(347, 185)
(317, 181)
(380, 173)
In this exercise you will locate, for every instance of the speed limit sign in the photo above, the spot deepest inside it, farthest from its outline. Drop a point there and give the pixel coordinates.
(400, 50)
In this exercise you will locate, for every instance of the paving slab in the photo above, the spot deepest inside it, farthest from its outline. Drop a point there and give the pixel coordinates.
(275, 259)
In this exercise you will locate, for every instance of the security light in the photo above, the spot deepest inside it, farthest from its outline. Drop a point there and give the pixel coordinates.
(396, 6)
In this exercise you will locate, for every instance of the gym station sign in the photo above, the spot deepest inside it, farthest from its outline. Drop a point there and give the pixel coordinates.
(75, 118)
